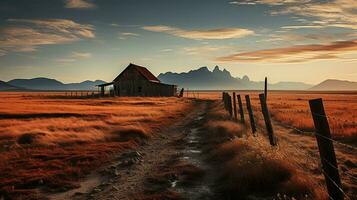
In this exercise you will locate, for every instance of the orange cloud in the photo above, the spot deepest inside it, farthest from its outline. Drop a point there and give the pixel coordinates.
(334, 13)
(79, 4)
(27, 35)
(297, 53)
(211, 34)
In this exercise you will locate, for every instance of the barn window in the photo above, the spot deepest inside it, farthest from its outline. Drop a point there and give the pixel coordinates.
(139, 89)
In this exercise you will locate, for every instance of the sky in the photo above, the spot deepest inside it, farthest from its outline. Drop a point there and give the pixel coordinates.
(75, 40)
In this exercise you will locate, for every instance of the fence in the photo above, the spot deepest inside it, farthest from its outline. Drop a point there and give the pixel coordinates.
(322, 133)
(74, 94)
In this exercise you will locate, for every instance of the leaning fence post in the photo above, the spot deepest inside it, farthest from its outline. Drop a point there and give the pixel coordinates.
(241, 112)
(267, 120)
(234, 106)
(250, 112)
(327, 152)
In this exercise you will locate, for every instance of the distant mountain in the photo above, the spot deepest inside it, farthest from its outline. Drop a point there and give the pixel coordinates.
(85, 85)
(334, 85)
(290, 86)
(52, 84)
(7, 87)
(204, 79)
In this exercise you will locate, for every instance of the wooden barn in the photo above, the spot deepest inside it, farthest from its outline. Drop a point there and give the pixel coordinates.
(138, 81)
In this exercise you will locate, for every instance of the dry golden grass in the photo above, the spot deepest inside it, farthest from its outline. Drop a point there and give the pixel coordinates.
(49, 143)
(292, 108)
(249, 167)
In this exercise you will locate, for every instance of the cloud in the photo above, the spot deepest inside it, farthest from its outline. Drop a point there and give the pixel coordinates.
(306, 37)
(297, 53)
(126, 35)
(335, 13)
(166, 50)
(203, 50)
(79, 4)
(25, 35)
(211, 34)
(2, 53)
(130, 34)
(65, 60)
(243, 2)
(269, 2)
(81, 55)
(74, 57)
(302, 26)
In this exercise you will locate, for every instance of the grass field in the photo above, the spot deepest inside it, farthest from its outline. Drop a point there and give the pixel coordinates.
(292, 108)
(50, 143)
(293, 167)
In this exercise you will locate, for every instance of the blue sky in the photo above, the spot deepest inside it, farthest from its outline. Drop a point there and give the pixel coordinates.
(76, 40)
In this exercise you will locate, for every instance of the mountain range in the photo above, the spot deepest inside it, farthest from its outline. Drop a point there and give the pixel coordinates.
(199, 79)
(46, 84)
(218, 79)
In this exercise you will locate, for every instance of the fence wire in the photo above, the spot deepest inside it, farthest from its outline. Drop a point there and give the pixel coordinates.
(335, 184)
(315, 133)
(326, 161)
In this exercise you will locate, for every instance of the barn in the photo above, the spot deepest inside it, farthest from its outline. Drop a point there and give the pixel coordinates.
(136, 80)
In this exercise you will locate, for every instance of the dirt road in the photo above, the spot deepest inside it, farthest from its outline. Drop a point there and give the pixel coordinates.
(168, 166)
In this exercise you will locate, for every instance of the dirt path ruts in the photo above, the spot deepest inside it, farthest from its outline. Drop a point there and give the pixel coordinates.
(129, 180)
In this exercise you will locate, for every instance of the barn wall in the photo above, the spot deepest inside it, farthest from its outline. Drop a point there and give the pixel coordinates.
(143, 88)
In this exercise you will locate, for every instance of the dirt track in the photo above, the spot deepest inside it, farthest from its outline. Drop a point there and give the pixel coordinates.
(168, 166)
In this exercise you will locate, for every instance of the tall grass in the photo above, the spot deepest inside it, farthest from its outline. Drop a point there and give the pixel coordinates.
(248, 168)
(50, 143)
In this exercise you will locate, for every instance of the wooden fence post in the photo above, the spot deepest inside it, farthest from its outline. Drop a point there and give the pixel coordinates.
(225, 100)
(267, 120)
(234, 106)
(227, 96)
(266, 88)
(250, 112)
(241, 112)
(230, 105)
(326, 149)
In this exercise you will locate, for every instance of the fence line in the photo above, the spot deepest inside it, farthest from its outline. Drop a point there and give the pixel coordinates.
(335, 190)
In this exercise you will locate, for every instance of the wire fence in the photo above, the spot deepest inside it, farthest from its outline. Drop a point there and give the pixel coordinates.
(315, 133)
(323, 161)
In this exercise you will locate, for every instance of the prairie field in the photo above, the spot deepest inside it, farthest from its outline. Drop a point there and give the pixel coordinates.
(292, 109)
(297, 157)
(50, 142)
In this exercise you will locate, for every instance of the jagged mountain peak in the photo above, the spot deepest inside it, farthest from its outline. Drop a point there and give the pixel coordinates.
(246, 78)
(216, 69)
(205, 69)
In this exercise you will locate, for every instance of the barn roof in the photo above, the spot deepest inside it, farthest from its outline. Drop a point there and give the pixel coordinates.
(142, 70)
